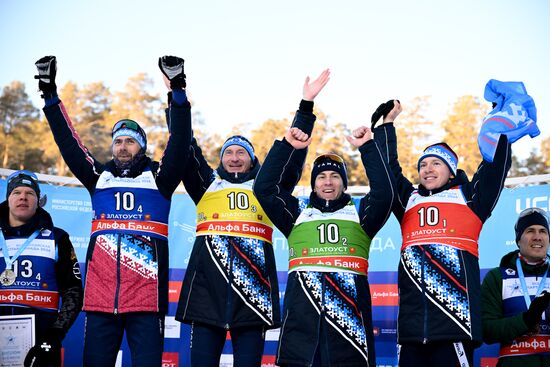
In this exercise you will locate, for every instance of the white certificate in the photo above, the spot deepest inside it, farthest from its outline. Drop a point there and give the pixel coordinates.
(17, 336)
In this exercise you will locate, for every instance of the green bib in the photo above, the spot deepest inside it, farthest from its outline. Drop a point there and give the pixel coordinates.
(329, 242)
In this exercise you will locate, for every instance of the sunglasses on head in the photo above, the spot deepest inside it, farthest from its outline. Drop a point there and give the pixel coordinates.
(329, 156)
(126, 124)
(530, 211)
(26, 173)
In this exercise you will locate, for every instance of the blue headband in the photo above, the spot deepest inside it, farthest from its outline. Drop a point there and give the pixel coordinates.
(240, 141)
(443, 152)
(131, 133)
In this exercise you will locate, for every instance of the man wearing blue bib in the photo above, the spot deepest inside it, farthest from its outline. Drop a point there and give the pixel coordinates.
(38, 269)
(126, 286)
(516, 296)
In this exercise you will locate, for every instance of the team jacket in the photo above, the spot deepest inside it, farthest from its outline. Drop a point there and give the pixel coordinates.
(48, 274)
(337, 291)
(503, 305)
(231, 280)
(438, 274)
(127, 257)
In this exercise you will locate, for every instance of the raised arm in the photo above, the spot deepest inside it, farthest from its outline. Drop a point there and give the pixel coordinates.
(386, 138)
(80, 161)
(280, 174)
(196, 175)
(175, 155)
(375, 208)
(487, 183)
(283, 165)
(310, 90)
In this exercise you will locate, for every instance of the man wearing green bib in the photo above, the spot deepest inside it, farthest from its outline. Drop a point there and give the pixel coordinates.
(327, 316)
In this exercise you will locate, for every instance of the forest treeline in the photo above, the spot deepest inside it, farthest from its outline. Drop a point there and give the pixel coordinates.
(27, 143)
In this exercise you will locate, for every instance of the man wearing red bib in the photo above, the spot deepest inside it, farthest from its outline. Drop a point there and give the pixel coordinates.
(439, 321)
(516, 295)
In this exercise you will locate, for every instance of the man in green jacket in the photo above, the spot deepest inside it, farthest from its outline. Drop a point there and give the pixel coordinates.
(516, 296)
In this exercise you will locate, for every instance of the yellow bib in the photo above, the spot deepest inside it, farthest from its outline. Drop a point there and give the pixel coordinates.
(232, 210)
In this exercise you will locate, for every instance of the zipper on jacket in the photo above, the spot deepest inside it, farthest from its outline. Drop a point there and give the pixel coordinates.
(424, 300)
(229, 299)
(117, 290)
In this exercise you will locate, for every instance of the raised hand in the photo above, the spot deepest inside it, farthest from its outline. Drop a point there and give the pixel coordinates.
(383, 111)
(359, 136)
(312, 89)
(394, 112)
(297, 138)
(47, 70)
(172, 69)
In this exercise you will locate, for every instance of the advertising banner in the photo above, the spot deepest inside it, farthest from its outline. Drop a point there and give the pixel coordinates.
(71, 210)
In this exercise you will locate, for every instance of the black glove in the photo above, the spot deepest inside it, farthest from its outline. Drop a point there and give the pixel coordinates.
(47, 351)
(533, 315)
(172, 68)
(47, 69)
(381, 111)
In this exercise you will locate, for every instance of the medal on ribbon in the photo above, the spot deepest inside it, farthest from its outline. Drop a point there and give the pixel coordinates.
(8, 276)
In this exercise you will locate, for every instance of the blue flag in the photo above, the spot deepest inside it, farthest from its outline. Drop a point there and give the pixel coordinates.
(514, 115)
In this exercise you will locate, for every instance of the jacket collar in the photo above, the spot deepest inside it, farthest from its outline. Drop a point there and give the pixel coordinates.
(240, 177)
(329, 206)
(460, 179)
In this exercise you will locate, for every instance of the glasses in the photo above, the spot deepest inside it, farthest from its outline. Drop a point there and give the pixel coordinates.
(530, 211)
(126, 124)
(20, 173)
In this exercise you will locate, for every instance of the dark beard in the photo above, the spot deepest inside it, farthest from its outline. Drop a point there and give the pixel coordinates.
(125, 168)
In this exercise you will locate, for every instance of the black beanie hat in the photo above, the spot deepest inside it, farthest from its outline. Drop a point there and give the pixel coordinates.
(329, 162)
(23, 178)
(529, 217)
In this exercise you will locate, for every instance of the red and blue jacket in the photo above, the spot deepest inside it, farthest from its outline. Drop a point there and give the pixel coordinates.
(127, 258)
